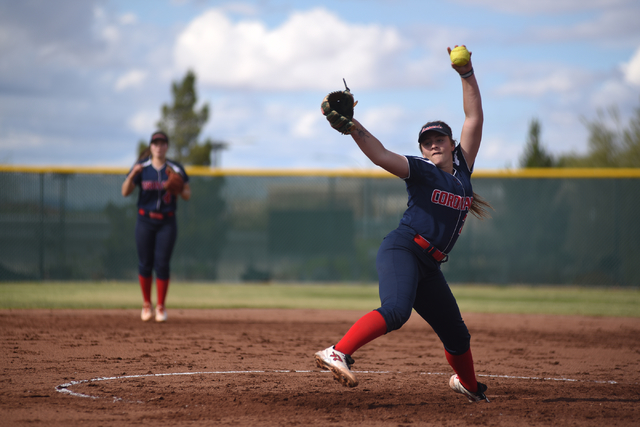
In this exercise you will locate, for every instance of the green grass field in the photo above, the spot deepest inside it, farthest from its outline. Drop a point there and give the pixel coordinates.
(471, 298)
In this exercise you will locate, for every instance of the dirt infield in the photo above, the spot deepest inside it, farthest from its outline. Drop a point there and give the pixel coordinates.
(255, 367)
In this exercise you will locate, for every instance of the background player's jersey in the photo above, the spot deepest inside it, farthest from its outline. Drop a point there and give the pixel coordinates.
(152, 196)
(438, 201)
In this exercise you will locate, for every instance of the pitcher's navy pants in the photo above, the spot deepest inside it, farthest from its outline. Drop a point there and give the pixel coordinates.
(410, 278)
(155, 239)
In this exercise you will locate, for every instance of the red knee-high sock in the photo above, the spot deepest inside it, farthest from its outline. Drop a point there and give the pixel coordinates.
(145, 285)
(463, 366)
(163, 287)
(369, 327)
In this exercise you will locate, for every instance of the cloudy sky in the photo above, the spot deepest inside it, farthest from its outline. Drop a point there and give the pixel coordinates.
(82, 81)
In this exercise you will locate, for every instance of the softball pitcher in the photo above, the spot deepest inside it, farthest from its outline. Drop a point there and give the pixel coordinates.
(161, 181)
(408, 262)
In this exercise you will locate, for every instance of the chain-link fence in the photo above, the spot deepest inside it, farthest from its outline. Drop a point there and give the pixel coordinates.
(548, 227)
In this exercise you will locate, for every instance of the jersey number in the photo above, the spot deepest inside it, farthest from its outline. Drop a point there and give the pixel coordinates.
(463, 220)
(166, 198)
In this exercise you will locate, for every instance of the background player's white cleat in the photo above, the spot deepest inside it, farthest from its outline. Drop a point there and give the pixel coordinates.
(456, 386)
(339, 364)
(161, 313)
(147, 313)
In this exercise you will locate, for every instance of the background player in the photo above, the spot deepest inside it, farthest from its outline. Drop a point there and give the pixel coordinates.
(156, 228)
(408, 261)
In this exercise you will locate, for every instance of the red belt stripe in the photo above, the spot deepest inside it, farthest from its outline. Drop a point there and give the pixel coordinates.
(155, 215)
(431, 250)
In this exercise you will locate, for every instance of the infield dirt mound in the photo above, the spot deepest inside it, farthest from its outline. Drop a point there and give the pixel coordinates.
(255, 367)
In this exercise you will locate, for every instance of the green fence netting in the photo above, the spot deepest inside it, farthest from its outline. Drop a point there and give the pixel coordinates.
(75, 225)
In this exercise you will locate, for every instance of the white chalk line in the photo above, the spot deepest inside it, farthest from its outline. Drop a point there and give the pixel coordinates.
(64, 388)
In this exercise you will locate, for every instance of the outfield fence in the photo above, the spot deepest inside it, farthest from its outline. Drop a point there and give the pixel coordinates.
(550, 226)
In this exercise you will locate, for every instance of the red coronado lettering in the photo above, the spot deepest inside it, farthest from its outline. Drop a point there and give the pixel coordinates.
(467, 203)
(151, 185)
(450, 200)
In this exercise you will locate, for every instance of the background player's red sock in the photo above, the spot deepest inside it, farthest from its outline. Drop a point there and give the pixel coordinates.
(366, 329)
(463, 366)
(163, 287)
(145, 286)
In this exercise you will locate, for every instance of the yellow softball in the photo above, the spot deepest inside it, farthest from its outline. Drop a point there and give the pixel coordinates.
(460, 56)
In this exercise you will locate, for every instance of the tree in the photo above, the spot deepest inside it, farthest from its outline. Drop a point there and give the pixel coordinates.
(183, 124)
(610, 144)
(603, 144)
(631, 142)
(535, 155)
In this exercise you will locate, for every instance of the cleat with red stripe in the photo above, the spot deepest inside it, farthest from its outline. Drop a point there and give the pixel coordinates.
(339, 364)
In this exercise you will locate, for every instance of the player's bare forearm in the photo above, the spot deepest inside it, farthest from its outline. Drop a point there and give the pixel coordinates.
(472, 101)
(128, 186)
(378, 154)
(186, 192)
(471, 134)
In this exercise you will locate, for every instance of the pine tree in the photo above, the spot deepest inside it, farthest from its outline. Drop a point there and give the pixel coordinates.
(535, 155)
(183, 124)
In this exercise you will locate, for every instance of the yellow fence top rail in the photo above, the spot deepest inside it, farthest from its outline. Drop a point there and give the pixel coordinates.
(560, 173)
(338, 173)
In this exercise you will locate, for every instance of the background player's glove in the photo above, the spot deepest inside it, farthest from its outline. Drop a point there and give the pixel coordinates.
(175, 183)
(338, 108)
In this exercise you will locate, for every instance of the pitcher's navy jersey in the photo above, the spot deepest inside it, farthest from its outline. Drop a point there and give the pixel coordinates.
(438, 201)
(152, 196)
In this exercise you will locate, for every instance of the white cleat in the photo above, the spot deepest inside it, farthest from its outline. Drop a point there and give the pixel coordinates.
(147, 313)
(478, 396)
(161, 313)
(339, 364)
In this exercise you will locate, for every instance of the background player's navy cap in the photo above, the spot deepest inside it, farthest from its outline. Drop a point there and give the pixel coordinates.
(159, 136)
(440, 127)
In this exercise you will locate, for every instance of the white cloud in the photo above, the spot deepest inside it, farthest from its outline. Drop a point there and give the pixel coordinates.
(384, 119)
(559, 81)
(632, 69)
(130, 79)
(307, 125)
(310, 50)
(142, 121)
(110, 34)
(611, 92)
(21, 141)
(610, 26)
(128, 19)
(496, 153)
(240, 8)
(545, 6)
